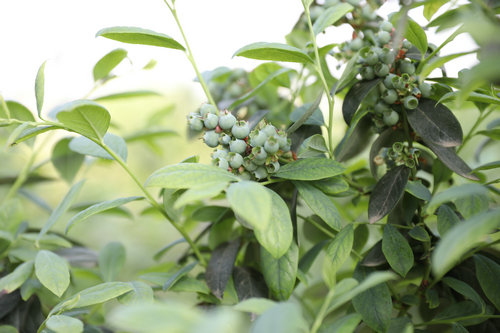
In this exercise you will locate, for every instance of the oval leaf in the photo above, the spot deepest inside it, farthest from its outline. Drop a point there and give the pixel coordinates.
(418, 190)
(204, 191)
(280, 274)
(330, 16)
(107, 63)
(455, 193)
(64, 324)
(388, 191)
(281, 318)
(39, 88)
(95, 295)
(435, 123)
(449, 157)
(355, 96)
(396, 250)
(274, 52)
(220, 267)
(14, 280)
(66, 161)
(98, 208)
(416, 35)
(340, 248)
(84, 117)
(251, 202)
(488, 273)
(111, 260)
(186, 175)
(310, 169)
(134, 35)
(52, 271)
(85, 146)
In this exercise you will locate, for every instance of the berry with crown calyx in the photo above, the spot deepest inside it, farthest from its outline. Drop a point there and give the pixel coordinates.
(240, 130)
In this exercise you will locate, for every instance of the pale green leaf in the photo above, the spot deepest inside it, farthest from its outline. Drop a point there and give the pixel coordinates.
(134, 35)
(274, 52)
(84, 117)
(111, 260)
(330, 16)
(251, 202)
(52, 271)
(254, 305)
(340, 248)
(64, 324)
(85, 146)
(310, 169)
(204, 191)
(40, 88)
(280, 274)
(107, 63)
(16, 278)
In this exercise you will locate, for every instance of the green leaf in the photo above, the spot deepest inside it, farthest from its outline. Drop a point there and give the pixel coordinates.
(332, 186)
(348, 75)
(8, 329)
(435, 123)
(98, 208)
(387, 193)
(111, 260)
(305, 114)
(358, 133)
(416, 35)
(488, 273)
(466, 290)
(273, 52)
(150, 134)
(177, 276)
(84, 117)
(17, 111)
(220, 267)
(431, 7)
(418, 190)
(248, 283)
(280, 274)
(52, 271)
(331, 16)
(462, 238)
(204, 191)
(320, 204)
(157, 256)
(281, 318)
(64, 324)
(419, 233)
(355, 96)
(133, 35)
(31, 132)
(66, 161)
(316, 117)
(492, 133)
(472, 97)
(310, 169)
(345, 324)
(439, 62)
(107, 63)
(186, 175)
(254, 305)
(16, 278)
(396, 250)
(488, 166)
(63, 206)
(85, 146)
(141, 292)
(471, 205)
(454, 193)
(340, 248)
(277, 237)
(446, 219)
(374, 304)
(39, 88)
(251, 202)
(400, 325)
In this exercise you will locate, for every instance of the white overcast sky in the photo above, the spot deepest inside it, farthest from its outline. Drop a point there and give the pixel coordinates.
(63, 32)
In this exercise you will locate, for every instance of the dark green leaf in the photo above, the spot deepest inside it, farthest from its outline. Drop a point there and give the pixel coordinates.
(446, 219)
(345, 324)
(432, 298)
(251, 202)
(210, 213)
(280, 274)
(332, 186)
(471, 205)
(416, 35)
(460, 239)
(111, 260)
(39, 88)
(492, 133)
(220, 267)
(464, 289)
(356, 136)
(107, 63)
(66, 161)
(419, 233)
(133, 35)
(400, 325)
(52, 271)
(98, 208)
(418, 190)
(340, 248)
(387, 193)
(488, 273)
(274, 52)
(316, 117)
(449, 157)
(330, 16)
(308, 258)
(488, 166)
(435, 123)
(355, 96)
(249, 283)
(396, 250)
(320, 204)
(375, 304)
(84, 117)
(305, 116)
(310, 169)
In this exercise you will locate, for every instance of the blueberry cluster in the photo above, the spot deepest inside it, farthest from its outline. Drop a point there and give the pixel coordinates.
(398, 154)
(252, 154)
(399, 85)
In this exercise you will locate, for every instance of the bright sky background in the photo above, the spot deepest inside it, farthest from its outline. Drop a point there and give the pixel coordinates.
(63, 32)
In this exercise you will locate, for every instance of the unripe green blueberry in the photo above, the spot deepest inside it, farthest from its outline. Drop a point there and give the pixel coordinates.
(240, 130)
(377, 50)
(257, 138)
(390, 96)
(206, 109)
(398, 82)
(245, 175)
(238, 146)
(387, 56)
(211, 139)
(407, 44)
(288, 145)
(386, 26)
(381, 70)
(367, 73)
(410, 102)
(426, 89)
(211, 121)
(388, 81)
(371, 58)
(273, 167)
(383, 37)
(221, 163)
(260, 172)
(379, 123)
(407, 67)
(225, 139)
(220, 153)
(381, 107)
(356, 44)
(249, 165)
(416, 92)
(195, 123)
(271, 146)
(234, 90)
(259, 153)
(227, 121)
(368, 14)
(235, 160)
(282, 139)
(391, 118)
(270, 130)
(397, 147)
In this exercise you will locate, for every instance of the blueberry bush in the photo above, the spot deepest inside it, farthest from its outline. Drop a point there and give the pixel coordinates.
(391, 228)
